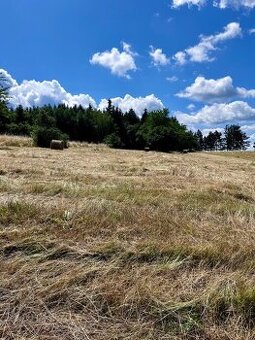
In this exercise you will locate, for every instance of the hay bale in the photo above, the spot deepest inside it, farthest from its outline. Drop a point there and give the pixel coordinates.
(57, 145)
(66, 145)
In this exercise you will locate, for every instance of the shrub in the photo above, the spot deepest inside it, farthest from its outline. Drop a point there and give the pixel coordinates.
(113, 141)
(42, 136)
(21, 129)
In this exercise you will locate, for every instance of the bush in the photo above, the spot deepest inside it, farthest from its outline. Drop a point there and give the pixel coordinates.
(21, 129)
(42, 136)
(159, 138)
(113, 141)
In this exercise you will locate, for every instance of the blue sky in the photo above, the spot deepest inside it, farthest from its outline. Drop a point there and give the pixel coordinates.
(81, 51)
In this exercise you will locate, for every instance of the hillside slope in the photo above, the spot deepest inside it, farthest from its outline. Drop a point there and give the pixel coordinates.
(111, 244)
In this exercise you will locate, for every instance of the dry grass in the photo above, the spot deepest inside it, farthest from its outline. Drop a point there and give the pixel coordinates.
(103, 244)
(7, 141)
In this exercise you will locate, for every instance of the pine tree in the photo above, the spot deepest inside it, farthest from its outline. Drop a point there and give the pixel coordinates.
(235, 138)
(4, 114)
(200, 140)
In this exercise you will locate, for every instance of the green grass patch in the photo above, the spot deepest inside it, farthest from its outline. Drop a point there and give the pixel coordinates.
(17, 213)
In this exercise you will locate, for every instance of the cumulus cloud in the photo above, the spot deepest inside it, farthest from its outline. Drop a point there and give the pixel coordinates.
(180, 58)
(235, 4)
(34, 93)
(119, 62)
(214, 90)
(6, 80)
(178, 3)
(158, 57)
(248, 129)
(206, 132)
(202, 51)
(252, 31)
(219, 113)
(207, 90)
(128, 48)
(223, 4)
(138, 104)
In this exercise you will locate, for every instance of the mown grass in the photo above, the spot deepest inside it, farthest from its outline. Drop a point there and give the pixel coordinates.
(104, 244)
(238, 154)
(14, 141)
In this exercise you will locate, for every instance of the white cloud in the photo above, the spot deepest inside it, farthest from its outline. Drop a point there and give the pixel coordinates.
(207, 90)
(119, 62)
(7, 80)
(34, 93)
(215, 90)
(178, 3)
(234, 4)
(252, 31)
(158, 57)
(138, 104)
(223, 4)
(191, 107)
(219, 113)
(202, 51)
(172, 79)
(248, 129)
(180, 58)
(128, 48)
(205, 132)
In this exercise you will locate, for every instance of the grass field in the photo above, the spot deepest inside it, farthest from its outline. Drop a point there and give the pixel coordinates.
(98, 243)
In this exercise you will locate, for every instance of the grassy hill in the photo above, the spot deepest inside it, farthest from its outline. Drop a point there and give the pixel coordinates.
(98, 243)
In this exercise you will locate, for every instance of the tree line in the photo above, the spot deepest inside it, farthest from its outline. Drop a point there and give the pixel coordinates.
(154, 130)
(233, 138)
